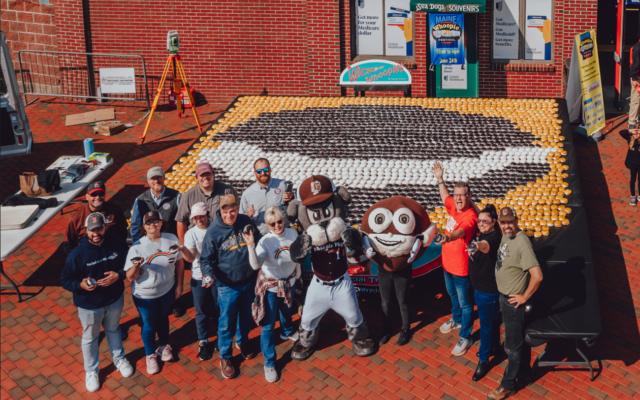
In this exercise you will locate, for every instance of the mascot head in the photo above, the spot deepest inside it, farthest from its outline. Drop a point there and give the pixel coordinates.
(392, 226)
(320, 208)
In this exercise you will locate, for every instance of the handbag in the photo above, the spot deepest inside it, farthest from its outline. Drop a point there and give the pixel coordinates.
(29, 185)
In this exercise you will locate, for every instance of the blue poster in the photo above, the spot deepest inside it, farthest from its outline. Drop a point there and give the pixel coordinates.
(447, 38)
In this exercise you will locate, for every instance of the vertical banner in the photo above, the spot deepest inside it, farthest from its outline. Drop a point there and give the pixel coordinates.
(447, 38)
(370, 24)
(399, 28)
(590, 81)
(539, 29)
(506, 30)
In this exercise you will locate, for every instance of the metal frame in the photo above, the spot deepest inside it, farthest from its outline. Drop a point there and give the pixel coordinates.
(584, 364)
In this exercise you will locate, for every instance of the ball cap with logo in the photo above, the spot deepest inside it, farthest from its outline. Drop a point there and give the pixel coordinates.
(97, 186)
(154, 172)
(315, 189)
(228, 200)
(94, 221)
(204, 167)
(199, 208)
(507, 214)
(151, 215)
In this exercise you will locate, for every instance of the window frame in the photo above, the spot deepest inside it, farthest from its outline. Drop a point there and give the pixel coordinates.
(521, 38)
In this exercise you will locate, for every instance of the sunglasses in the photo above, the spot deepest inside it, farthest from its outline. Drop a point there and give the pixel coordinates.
(278, 222)
(97, 194)
(152, 222)
(484, 221)
(259, 171)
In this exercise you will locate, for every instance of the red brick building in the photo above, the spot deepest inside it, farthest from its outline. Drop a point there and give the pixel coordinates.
(288, 47)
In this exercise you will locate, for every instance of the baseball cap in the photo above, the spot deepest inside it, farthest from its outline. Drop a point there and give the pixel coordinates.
(315, 189)
(204, 167)
(199, 209)
(155, 171)
(228, 200)
(94, 221)
(96, 186)
(507, 214)
(151, 215)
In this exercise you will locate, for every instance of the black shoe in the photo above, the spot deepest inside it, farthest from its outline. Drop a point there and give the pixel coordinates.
(214, 346)
(404, 338)
(482, 370)
(386, 335)
(178, 311)
(204, 354)
(124, 333)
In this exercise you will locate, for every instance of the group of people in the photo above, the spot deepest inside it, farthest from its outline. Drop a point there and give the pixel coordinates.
(241, 270)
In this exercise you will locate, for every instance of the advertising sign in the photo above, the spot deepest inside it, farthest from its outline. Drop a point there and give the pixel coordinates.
(469, 6)
(590, 81)
(446, 38)
(370, 24)
(506, 30)
(399, 28)
(539, 29)
(454, 77)
(117, 80)
(375, 72)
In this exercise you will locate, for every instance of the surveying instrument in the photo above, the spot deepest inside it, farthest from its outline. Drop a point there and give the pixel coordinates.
(173, 63)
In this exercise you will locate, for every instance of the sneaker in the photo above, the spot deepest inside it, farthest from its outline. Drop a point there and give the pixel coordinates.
(124, 367)
(204, 353)
(152, 365)
(165, 353)
(270, 374)
(227, 368)
(633, 200)
(293, 337)
(92, 382)
(405, 337)
(461, 347)
(449, 326)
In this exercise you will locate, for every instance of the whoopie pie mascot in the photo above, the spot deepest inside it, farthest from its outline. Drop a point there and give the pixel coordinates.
(398, 231)
(320, 209)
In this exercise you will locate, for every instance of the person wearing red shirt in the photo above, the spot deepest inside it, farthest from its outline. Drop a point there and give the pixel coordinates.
(460, 229)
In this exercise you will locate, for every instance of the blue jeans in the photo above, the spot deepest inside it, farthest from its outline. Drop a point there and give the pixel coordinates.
(203, 300)
(488, 311)
(459, 289)
(235, 304)
(274, 305)
(155, 319)
(91, 320)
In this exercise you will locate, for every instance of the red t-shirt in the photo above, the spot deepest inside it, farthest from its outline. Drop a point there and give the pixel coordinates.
(455, 258)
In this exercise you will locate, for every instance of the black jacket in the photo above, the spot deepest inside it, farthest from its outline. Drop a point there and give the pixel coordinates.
(633, 151)
(634, 60)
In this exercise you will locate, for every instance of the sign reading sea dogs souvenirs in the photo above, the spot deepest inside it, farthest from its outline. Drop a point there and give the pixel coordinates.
(458, 6)
(375, 72)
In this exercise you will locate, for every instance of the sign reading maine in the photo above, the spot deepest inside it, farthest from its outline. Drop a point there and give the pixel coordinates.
(375, 72)
(458, 8)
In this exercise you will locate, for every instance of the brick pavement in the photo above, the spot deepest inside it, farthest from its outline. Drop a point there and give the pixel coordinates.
(40, 342)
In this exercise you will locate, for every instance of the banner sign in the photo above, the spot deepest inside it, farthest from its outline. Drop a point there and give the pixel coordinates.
(452, 6)
(370, 36)
(117, 80)
(506, 30)
(539, 29)
(591, 82)
(447, 38)
(375, 72)
(399, 28)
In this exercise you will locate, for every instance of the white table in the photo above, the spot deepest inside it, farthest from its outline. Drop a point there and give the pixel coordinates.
(10, 241)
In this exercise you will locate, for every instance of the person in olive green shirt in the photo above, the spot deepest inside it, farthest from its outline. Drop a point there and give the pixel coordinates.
(518, 276)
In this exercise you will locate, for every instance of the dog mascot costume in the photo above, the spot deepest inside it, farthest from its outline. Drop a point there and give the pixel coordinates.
(398, 231)
(320, 209)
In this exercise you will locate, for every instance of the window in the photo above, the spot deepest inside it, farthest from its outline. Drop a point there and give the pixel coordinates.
(522, 31)
(382, 29)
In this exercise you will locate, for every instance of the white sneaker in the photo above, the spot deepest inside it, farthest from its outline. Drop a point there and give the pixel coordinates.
(293, 337)
(92, 382)
(449, 326)
(124, 367)
(461, 347)
(270, 374)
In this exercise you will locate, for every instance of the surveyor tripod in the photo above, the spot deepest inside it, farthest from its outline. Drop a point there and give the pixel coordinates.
(173, 63)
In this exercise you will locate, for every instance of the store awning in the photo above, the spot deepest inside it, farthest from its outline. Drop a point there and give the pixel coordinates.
(453, 6)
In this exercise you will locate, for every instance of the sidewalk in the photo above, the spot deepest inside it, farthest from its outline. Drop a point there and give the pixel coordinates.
(40, 338)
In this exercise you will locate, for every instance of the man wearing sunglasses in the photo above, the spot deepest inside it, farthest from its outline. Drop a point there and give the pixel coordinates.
(266, 192)
(116, 223)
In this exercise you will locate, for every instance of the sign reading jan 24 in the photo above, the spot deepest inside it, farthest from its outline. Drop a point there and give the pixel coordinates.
(447, 39)
(375, 72)
(117, 80)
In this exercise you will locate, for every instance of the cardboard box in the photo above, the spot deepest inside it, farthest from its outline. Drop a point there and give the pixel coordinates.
(102, 158)
(109, 128)
(90, 117)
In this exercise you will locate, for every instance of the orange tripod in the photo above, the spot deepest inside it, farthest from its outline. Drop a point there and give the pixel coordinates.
(173, 63)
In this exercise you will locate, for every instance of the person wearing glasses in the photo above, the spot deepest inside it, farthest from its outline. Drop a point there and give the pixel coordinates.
(266, 192)
(155, 269)
(116, 224)
(483, 253)
(518, 276)
(275, 285)
(459, 231)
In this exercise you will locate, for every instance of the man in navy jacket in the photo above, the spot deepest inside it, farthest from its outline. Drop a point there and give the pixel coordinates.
(94, 274)
(225, 259)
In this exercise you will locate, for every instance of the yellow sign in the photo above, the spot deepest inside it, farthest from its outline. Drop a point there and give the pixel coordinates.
(590, 81)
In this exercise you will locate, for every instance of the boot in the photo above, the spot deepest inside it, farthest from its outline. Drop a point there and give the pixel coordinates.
(404, 338)
(481, 371)
(304, 346)
(363, 346)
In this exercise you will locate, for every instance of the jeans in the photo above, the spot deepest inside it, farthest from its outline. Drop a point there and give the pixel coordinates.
(91, 320)
(155, 319)
(488, 311)
(205, 301)
(518, 352)
(235, 304)
(632, 182)
(459, 289)
(274, 305)
(398, 282)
